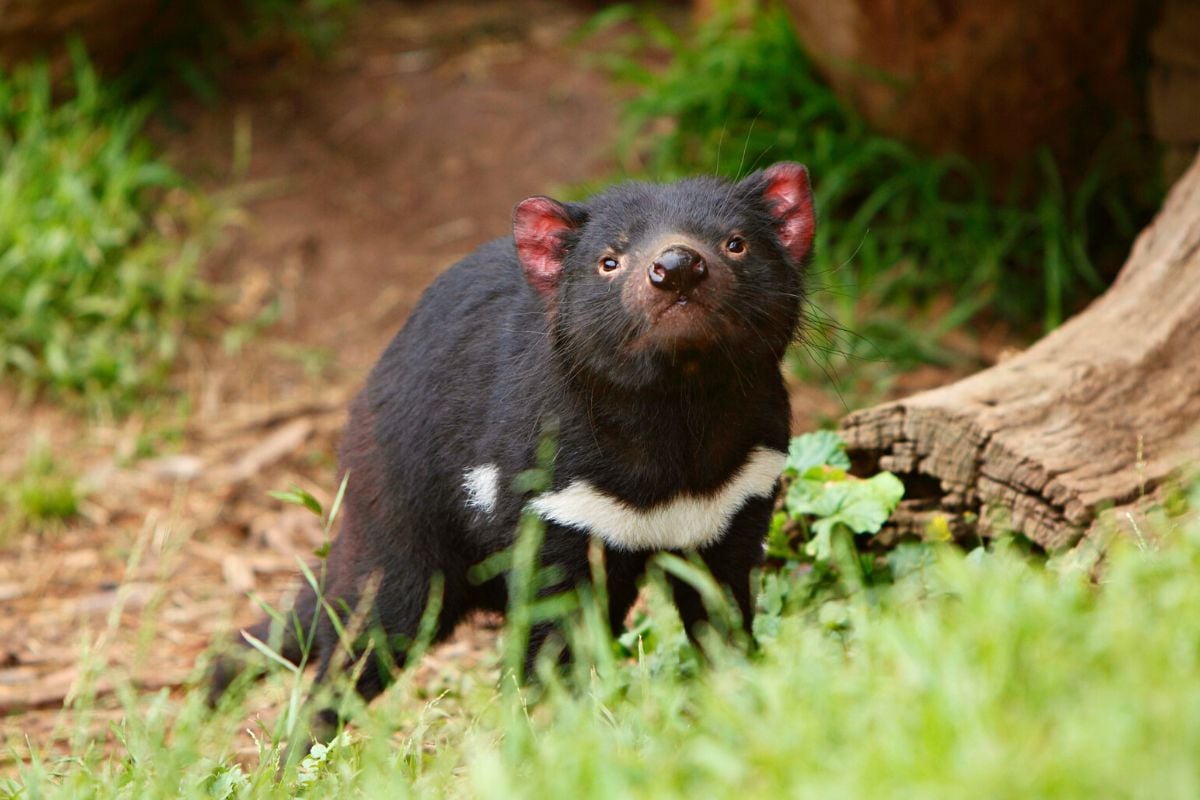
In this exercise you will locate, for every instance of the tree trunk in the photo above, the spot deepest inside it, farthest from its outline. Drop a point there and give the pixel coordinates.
(995, 80)
(1096, 414)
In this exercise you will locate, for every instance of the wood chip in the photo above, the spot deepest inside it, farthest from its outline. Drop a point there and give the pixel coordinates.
(238, 574)
(16, 675)
(131, 596)
(57, 687)
(280, 444)
(81, 559)
(263, 418)
(179, 467)
(50, 690)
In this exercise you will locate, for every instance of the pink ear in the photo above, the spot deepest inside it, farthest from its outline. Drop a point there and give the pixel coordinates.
(538, 226)
(789, 197)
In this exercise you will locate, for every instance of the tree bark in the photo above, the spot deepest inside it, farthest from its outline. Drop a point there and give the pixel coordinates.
(1095, 415)
(994, 80)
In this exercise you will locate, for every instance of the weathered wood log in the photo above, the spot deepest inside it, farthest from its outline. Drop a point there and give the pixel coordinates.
(1097, 414)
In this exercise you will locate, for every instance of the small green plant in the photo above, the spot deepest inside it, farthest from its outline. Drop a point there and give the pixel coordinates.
(44, 495)
(97, 269)
(818, 566)
(824, 500)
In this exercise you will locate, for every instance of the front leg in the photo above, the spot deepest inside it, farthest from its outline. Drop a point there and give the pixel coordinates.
(566, 550)
(730, 560)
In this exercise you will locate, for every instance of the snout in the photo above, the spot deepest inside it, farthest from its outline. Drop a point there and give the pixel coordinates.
(678, 269)
(682, 300)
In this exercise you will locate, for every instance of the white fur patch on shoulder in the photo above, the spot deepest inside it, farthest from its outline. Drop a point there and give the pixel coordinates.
(482, 484)
(684, 522)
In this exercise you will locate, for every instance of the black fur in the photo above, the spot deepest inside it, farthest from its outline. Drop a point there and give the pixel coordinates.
(489, 358)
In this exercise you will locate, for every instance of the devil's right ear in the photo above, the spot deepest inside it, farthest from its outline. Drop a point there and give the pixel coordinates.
(540, 225)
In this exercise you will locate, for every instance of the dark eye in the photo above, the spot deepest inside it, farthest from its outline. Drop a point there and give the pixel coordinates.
(608, 264)
(736, 245)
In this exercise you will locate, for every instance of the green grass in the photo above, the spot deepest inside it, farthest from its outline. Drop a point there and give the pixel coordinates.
(97, 266)
(44, 496)
(909, 246)
(982, 674)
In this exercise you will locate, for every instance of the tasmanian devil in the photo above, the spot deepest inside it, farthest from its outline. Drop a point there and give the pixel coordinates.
(647, 325)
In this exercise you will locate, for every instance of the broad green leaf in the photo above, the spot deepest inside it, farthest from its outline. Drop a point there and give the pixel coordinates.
(816, 498)
(863, 506)
(820, 546)
(869, 503)
(816, 449)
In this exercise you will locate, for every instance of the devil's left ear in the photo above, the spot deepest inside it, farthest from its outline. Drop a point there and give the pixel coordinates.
(786, 191)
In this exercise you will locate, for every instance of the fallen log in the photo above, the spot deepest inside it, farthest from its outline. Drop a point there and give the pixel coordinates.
(1096, 415)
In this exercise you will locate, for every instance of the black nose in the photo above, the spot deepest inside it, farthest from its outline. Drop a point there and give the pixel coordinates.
(678, 269)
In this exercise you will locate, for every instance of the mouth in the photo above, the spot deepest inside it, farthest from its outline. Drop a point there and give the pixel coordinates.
(685, 323)
(673, 319)
(683, 304)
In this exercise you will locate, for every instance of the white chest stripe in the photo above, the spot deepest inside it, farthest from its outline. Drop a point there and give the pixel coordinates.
(685, 522)
(482, 484)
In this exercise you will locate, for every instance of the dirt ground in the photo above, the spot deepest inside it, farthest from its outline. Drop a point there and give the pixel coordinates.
(359, 177)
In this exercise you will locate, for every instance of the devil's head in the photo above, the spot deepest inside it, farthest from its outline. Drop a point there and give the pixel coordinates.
(650, 282)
